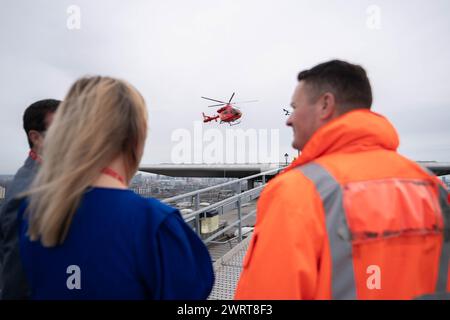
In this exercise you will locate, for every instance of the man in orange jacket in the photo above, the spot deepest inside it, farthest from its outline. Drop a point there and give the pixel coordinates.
(350, 218)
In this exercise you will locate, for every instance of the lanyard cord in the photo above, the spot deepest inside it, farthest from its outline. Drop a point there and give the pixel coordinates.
(33, 155)
(110, 172)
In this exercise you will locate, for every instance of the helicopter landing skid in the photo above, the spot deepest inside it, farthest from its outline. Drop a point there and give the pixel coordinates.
(230, 123)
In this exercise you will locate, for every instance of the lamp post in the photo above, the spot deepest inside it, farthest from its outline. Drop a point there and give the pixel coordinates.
(286, 156)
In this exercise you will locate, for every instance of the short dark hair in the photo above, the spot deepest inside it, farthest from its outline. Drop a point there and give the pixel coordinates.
(34, 116)
(348, 82)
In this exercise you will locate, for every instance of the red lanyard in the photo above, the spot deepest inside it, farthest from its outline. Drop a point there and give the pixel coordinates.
(33, 155)
(110, 172)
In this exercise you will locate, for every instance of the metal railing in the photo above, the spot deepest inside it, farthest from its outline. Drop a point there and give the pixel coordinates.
(234, 202)
(238, 181)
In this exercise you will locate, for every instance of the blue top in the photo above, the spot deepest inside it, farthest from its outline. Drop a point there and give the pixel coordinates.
(119, 246)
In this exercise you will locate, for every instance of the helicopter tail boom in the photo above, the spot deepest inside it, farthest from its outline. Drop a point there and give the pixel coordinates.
(208, 118)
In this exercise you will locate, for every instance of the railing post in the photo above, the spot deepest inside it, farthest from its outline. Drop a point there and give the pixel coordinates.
(197, 217)
(240, 219)
(239, 187)
(264, 179)
(197, 201)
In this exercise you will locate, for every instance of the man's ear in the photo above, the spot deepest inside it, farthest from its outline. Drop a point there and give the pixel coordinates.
(328, 107)
(34, 137)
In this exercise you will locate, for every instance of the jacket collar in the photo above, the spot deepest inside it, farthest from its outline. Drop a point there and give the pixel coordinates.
(31, 164)
(354, 131)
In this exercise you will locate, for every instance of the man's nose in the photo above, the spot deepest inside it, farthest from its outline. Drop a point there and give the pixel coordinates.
(289, 121)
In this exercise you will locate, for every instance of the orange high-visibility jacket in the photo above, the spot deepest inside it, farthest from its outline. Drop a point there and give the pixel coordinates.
(349, 219)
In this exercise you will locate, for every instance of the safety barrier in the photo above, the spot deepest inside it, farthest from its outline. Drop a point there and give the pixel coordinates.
(223, 206)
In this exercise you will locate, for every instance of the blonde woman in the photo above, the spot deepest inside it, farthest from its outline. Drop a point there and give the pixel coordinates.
(84, 234)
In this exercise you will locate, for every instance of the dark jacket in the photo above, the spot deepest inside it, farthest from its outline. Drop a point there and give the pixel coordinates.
(13, 284)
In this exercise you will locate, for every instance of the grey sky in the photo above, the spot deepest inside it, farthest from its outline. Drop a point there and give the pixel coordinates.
(176, 51)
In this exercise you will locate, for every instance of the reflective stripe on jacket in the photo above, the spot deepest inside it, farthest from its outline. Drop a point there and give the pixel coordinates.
(349, 219)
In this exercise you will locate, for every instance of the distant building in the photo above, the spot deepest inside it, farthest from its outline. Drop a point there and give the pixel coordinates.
(185, 204)
(2, 192)
(186, 211)
(446, 180)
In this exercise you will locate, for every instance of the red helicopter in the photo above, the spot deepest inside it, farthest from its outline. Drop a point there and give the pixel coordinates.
(227, 113)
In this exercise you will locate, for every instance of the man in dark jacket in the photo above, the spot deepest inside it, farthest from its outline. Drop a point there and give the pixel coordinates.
(36, 120)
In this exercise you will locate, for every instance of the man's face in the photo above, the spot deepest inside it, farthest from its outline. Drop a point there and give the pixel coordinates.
(305, 118)
(37, 138)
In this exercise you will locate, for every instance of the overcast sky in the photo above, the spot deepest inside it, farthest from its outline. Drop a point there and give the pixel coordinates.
(176, 51)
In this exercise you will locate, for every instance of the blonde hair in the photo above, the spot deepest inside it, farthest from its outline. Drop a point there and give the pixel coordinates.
(100, 119)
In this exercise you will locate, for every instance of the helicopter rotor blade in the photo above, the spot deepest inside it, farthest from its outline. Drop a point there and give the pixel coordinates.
(213, 100)
(231, 97)
(217, 105)
(239, 102)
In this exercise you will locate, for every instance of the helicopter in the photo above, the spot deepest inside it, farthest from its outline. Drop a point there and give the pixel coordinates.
(228, 112)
